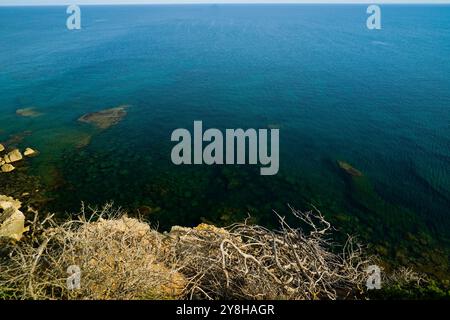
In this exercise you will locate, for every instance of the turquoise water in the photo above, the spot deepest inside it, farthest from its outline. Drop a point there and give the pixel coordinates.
(379, 100)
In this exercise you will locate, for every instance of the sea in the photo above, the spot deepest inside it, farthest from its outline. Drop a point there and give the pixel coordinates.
(378, 100)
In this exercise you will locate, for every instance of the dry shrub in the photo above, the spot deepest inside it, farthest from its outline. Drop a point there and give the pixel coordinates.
(119, 258)
(123, 258)
(403, 276)
(251, 262)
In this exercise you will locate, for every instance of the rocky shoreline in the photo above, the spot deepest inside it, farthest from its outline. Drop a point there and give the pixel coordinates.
(12, 220)
(7, 161)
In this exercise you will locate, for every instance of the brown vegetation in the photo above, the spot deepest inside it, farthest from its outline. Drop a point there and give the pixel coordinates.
(123, 258)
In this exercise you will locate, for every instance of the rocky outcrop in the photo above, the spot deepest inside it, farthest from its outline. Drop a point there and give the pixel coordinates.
(12, 220)
(105, 118)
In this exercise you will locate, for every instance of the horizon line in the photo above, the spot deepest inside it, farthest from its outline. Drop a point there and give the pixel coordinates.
(310, 2)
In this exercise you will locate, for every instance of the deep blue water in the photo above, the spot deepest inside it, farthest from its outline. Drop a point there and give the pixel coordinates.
(379, 100)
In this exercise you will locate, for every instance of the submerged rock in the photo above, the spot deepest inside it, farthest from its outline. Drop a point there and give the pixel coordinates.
(28, 112)
(83, 141)
(13, 156)
(349, 169)
(7, 167)
(2, 148)
(105, 118)
(17, 138)
(12, 220)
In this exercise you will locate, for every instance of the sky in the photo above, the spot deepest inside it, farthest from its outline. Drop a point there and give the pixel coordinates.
(85, 2)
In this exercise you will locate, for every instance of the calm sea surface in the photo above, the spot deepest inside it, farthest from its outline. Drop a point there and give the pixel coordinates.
(379, 100)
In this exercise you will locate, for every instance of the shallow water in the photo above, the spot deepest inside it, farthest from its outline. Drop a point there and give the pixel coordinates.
(379, 100)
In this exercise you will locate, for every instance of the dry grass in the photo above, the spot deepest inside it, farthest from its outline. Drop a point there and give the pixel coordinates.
(119, 258)
(123, 258)
(251, 262)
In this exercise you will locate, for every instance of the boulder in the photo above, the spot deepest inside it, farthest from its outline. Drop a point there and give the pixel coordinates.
(2, 147)
(12, 220)
(187, 233)
(29, 152)
(7, 167)
(13, 156)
